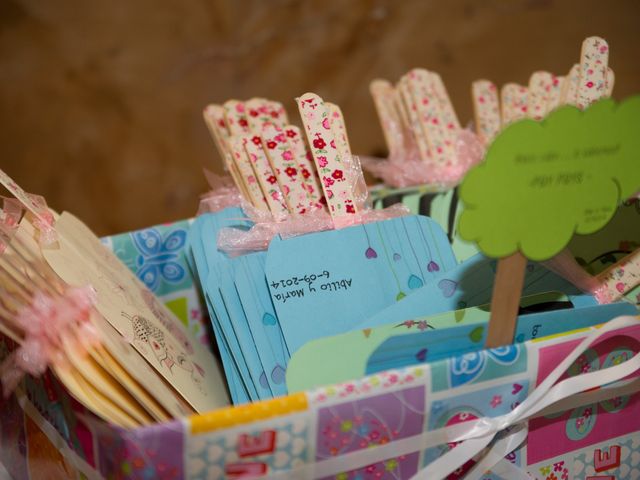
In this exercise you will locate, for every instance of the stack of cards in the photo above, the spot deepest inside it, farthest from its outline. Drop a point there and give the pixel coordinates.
(59, 283)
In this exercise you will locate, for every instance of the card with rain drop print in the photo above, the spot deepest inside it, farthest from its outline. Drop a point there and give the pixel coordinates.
(329, 282)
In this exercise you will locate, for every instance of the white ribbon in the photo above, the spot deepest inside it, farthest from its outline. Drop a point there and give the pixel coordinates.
(476, 435)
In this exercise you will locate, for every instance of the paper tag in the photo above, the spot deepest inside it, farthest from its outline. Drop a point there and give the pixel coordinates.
(541, 183)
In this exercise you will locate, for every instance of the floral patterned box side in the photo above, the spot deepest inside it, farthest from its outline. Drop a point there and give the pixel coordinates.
(377, 427)
(158, 256)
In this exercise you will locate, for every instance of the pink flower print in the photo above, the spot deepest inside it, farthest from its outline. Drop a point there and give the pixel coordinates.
(322, 161)
(329, 195)
(495, 401)
(603, 49)
(305, 173)
(589, 84)
(425, 101)
(450, 126)
(275, 195)
(251, 179)
(325, 124)
(240, 107)
(274, 114)
(256, 140)
(253, 113)
(280, 138)
(272, 180)
(422, 325)
(349, 208)
(263, 109)
(337, 174)
(557, 467)
(221, 123)
(287, 155)
(243, 122)
(271, 145)
(291, 171)
(333, 144)
(480, 99)
(285, 189)
(291, 133)
(435, 121)
(620, 287)
(328, 181)
(319, 143)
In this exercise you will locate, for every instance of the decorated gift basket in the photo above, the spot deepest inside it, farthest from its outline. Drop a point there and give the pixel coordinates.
(474, 317)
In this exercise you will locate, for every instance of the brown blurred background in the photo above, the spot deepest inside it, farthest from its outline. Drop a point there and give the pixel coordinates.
(102, 99)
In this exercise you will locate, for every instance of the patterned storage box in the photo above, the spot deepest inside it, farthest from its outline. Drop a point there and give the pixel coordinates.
(386, 426)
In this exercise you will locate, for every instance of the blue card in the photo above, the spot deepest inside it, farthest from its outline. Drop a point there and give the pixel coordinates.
(328, 282)
(432, 345)
(467, 285)
(253, 292)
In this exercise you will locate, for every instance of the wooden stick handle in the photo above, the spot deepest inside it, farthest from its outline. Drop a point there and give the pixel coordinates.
(505, 300)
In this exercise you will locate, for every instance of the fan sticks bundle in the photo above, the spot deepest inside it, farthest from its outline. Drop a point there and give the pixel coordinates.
(68, 304)
(587, 81)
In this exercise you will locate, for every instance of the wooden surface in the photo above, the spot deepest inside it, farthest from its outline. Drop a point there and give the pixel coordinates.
(102, 100)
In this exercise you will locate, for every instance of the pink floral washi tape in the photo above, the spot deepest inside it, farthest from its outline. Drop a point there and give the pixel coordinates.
(569, 92)
(241, 160)
(305, 162)
(235, 117)
(487, 109)
(553, 97)
(382, 93)
(620, 278)
(540, 85)
(410, 102)
(594, 58)
(331, 168)
(513, 103)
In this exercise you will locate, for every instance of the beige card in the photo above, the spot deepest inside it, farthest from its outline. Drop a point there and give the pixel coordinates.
(80, 259)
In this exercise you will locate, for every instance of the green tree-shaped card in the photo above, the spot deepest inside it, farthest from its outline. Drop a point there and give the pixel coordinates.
(543, 182)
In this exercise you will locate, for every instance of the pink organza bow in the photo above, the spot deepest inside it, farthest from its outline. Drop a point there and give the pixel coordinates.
(45, 322)
(44, 221)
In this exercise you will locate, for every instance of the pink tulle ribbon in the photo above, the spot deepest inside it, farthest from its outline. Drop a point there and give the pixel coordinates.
(44, 322)
(44, 221)
(406, 168)
(223, 194)
(236, 242)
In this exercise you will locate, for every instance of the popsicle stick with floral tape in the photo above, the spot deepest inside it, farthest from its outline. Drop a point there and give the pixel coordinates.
(307, 167)
(241, 159)
(553, 97)
(35, 204)
(513, 102)
(611, 80)
(414, 118)
(446, 107)
(594, 58)
(620, 278)
(235, 117)
(382, 93)
(277, 113)
(214, 119)
(287, 171)
(266, 176)
(569, 90)
(430, 116)
(331, 168)
(539, 86)
(486, 109)
(339, 129)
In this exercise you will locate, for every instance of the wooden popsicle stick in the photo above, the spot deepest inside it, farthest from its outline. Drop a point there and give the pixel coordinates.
(611, 80)
(594, 58)
(310, 178)
(513, 103)
(257, 114)
(214, 119)
(539, 87)
(240, 158)
(235, 117)
(414, 118)
(277, 113)
(553, 98)
(430, 116)
(621, 277)
(382, 93)
(331, 168)
(486, 109)
(505, 300)
(266, 176)
(569, 91)
(287, 171)
(446, 107)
